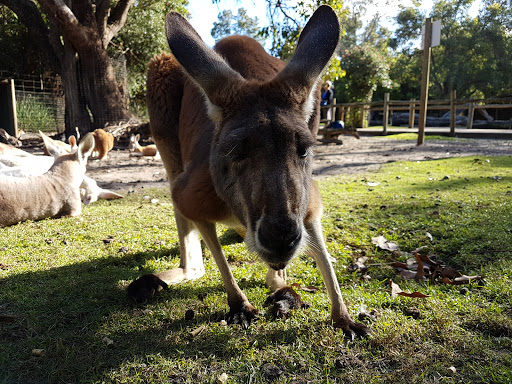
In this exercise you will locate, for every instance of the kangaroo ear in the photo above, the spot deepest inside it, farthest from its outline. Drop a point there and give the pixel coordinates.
(317, 43)
(85, 147)
(51, 146)
(213, 75)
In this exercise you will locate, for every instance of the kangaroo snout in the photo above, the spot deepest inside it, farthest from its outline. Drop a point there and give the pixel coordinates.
(280, 239)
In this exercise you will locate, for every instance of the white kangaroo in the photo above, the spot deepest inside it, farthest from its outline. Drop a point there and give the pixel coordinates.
(16, 162)
(235, 129)
(53, 194)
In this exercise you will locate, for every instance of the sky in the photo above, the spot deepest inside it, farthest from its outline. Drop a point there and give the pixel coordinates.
(204, 13)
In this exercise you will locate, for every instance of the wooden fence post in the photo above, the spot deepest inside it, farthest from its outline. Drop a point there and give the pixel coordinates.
(385, 114)
(412, 111)
(453, 112)
(471, 115)
(362, 115)
(8, 118)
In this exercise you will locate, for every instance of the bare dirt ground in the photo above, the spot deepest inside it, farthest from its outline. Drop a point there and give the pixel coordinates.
(121, 172)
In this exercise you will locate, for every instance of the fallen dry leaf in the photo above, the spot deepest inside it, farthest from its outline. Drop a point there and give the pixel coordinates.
(396, 291)
(462, 279)
(383, 243)
(309, 288)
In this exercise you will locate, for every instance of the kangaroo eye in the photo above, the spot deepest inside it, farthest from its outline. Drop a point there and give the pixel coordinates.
(303, 152)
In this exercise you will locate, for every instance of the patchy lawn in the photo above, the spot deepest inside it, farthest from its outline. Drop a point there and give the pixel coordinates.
(65, 316)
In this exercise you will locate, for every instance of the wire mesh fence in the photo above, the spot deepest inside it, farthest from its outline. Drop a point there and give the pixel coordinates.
(40, 100)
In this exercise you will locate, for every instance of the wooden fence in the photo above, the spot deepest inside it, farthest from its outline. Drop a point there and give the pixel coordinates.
(453, 105)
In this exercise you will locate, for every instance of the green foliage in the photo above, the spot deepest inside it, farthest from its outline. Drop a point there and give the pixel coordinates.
(64, 281)
(240, 24)
(366, 68)
(18, 53)
(475, 55)
(142, 37)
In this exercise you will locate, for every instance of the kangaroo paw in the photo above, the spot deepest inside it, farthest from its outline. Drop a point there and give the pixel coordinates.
(243, 315)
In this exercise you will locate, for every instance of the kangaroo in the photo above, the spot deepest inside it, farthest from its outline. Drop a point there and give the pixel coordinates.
(11, 140)
(235, 128)
(53, 194)
(138, 150)
(104, 142)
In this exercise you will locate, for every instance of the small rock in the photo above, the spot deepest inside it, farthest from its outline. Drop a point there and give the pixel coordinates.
(447, 177)
(464, 291)
(271, 372)
(37, 352)
(223, 378)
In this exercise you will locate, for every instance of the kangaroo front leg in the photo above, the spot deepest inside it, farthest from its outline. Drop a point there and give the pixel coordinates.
(240, 310)
(191, 264)
(339, 312)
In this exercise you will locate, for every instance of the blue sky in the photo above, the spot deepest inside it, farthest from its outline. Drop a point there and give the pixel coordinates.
(204, 13)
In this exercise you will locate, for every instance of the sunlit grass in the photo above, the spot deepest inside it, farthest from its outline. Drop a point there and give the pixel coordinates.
(64, 281)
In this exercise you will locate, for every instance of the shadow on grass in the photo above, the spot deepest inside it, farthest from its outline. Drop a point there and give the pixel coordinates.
(67, 310)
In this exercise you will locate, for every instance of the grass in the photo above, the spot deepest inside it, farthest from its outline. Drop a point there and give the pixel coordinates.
(414, 137)
(36, 114)
(64, 281)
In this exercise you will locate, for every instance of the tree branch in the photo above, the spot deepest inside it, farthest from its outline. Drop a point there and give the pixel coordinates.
(116, 20)
(30, 16)
(71, 28)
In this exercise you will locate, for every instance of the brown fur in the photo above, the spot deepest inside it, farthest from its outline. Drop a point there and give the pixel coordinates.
(103, 143)
(235, 129)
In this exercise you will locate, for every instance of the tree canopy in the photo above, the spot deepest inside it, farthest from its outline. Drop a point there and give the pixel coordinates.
(239, 24)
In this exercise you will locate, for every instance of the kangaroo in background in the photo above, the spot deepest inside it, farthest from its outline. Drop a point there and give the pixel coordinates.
(103, 143)
(53, 194)
(235, 128)
(138, 150)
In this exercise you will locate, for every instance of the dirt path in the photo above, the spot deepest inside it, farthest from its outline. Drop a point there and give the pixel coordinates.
(122, 172)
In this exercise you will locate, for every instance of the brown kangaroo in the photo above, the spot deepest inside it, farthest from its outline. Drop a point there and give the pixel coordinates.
(235, 128)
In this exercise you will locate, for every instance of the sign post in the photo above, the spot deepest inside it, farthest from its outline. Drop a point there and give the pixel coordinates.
(425, 72)
(431, 38)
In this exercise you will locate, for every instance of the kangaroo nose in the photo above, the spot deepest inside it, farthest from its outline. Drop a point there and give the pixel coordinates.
(279, 236)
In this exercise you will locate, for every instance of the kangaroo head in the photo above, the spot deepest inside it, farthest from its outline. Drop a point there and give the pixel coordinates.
(261, 152)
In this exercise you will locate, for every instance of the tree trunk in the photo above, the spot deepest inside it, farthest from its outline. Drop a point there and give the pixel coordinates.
(75, 36)
(100, 87)
(77, 115)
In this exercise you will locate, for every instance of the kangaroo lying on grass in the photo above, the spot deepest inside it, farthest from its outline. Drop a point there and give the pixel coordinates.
(8, 139)
(138, 150)
(235, 128)
(53, 194)
(15, 162)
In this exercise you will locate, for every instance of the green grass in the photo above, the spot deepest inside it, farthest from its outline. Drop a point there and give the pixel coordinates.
(66, 279)
(414, 136)
(36, 114)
